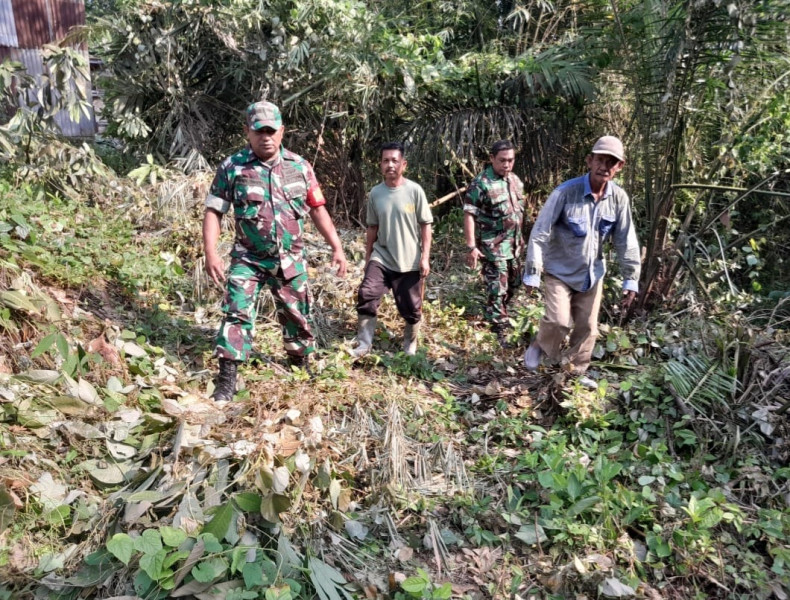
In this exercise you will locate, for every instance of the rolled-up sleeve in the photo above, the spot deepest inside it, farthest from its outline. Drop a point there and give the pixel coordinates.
(472, 198)
(219, 194)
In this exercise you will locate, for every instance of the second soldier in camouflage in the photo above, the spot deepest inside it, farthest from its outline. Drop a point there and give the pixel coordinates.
(493, 230)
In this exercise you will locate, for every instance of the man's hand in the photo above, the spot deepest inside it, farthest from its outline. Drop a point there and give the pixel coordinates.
(628, 299)
(425, 267)
(472, 256)
(215, 268)
(339, 262)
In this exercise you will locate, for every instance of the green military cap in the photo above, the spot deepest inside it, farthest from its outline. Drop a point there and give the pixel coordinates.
(263, 114)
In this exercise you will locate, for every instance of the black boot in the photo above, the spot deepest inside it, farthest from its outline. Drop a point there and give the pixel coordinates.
(501, 332)
(301, 362)
(225, 383)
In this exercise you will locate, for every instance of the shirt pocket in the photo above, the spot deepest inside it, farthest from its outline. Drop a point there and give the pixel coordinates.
(296, 195)
(248, 197)
(499, 203)
(605, 225)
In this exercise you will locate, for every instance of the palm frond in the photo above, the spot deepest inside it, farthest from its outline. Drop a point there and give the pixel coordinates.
(701, 382)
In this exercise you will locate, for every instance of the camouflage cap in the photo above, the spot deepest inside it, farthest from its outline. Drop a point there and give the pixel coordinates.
(263, 114)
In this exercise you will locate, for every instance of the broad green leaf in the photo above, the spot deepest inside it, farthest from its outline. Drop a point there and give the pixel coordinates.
(582, 505)
(121, 546)
(248, 501)
(209, 570)
(443, 592)
(174, 557)
(18, 301)
(220, 522)
(172, 536)
(574, 487)
(210, 542)
(531, 534)
(252, 574)
(414, 585)
(150, 542)
(153, 564)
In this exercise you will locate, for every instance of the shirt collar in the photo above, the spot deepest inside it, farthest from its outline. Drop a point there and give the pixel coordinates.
(493, 174)
(588, 190)
(249, 156)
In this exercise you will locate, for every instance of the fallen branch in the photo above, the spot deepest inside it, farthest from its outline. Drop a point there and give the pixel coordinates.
(449, 196)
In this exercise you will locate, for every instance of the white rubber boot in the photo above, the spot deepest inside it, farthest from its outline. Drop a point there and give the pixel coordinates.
(365, 331)
(410, 333)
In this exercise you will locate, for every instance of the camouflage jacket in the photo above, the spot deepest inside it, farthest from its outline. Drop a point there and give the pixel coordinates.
(269, 204)
(497, 204)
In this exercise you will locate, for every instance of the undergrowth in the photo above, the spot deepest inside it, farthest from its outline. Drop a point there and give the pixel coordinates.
(452, 473)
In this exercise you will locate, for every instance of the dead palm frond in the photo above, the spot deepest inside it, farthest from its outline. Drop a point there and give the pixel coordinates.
(702, 384)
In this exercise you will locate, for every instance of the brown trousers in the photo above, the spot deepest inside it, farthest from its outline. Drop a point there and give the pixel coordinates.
(569, 311)
(406, 289)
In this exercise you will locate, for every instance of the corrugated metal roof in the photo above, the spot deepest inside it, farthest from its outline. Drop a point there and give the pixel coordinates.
(7, 25)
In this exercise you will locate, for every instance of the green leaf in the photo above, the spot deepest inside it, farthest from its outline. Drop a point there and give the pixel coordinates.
(574, 487)
(252, 574)
(121, 546)
(248, 501)
(150, 542)
(18, 301)
(531, 534)
(414, 585)
(44, 345)
(220, 522)
(209, 570)
(145, 496)
(444, 592)
(210, 542)
(153, 564)
(174, 557)
(582, 505)
(172, 537)
(63, 345)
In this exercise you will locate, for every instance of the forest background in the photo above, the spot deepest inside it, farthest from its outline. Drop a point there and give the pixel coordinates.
(454, 473)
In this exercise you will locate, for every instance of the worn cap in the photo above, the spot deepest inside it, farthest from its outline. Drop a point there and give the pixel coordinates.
(609, 144)
(263, 114)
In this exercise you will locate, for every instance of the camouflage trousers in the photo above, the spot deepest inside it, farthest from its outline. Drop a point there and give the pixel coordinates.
(502, 278)
(291, 298)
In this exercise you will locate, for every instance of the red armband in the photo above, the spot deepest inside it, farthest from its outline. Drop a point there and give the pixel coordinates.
(315, 197)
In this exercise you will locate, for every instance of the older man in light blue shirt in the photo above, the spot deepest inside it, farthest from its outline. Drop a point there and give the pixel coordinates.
(567, 246)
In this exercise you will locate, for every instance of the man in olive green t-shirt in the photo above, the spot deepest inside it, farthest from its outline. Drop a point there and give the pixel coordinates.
(397, 251)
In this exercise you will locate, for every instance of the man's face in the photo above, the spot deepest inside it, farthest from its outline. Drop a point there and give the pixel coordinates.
(502, 162)
(603, 167)
(265, 142)
(392, 165)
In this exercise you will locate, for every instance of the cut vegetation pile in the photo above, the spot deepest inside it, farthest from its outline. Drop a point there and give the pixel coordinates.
(454, 473)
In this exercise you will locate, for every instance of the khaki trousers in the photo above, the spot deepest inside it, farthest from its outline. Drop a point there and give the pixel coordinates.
(569, 311)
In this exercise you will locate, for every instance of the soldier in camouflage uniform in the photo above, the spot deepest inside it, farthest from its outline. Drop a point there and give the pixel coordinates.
(270, 191)
(493, 220)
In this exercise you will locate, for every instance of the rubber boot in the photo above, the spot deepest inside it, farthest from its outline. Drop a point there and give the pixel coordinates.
(225, 383)
(410, 333)
(501, 332)
(365, 331)
(301, 362)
